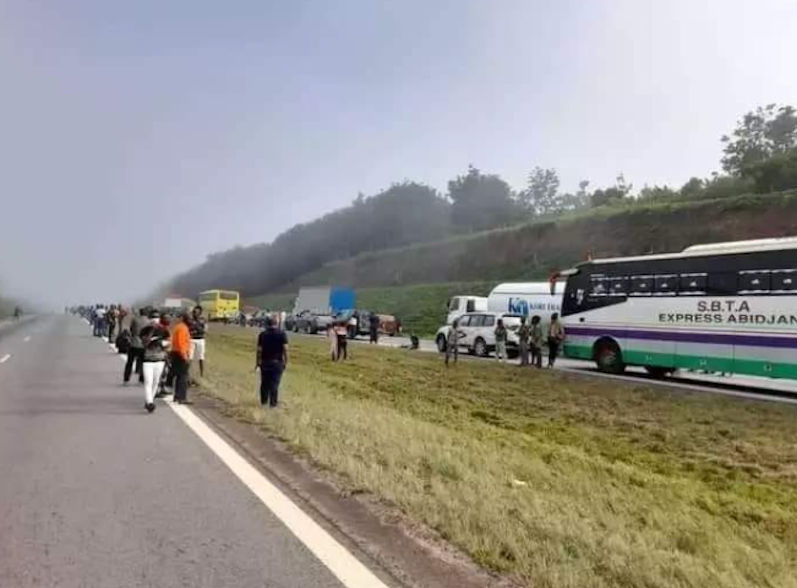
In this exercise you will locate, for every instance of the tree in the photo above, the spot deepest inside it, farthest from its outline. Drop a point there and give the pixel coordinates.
(657, 193)
(692, 189)
(480, 201)
(542, 196)
(776, 173)
(619, 191)
(759, 135)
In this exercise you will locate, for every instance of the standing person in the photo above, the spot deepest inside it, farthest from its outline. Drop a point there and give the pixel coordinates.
(135, 354)
(111, 317)
(181, 351)
(452, 342)
(271, 360)
(197, 330)
(523, 334)
(556, 335)
(536, 341)
(156, 341)
(99, 321)
(333, 342)
(342, 332)
(500, 341)
(373, 328)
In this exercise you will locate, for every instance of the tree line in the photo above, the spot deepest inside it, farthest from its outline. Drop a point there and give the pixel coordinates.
(760, 155)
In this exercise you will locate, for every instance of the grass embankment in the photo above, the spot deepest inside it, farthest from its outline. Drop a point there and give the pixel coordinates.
(556, 480)
(420, 307)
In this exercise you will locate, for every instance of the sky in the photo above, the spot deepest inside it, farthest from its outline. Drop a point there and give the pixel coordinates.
(138, 137)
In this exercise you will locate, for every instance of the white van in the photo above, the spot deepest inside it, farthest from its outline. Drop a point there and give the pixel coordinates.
(527, 299)
(477, 332)
(460, 304)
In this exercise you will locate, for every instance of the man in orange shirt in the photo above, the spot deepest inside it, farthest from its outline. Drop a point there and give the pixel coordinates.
(181, 350)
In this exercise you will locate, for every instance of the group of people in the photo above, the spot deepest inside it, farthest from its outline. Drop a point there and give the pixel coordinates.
(531, 339)
(160, 354)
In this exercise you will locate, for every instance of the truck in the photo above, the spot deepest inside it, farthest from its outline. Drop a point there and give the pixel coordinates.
(517, 299)
(314, 307)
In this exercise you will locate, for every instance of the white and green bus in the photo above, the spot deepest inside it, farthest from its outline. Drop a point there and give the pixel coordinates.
(724, 307)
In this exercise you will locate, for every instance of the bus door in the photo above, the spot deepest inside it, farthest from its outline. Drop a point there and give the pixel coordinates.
(699, 347)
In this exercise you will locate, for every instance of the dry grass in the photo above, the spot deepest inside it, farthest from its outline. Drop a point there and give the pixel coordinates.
(555, 480)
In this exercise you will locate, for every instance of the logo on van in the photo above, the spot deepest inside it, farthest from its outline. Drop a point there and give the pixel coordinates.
(522, 306)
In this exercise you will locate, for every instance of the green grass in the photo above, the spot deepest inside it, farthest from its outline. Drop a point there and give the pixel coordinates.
(551, 479)
(420, 307)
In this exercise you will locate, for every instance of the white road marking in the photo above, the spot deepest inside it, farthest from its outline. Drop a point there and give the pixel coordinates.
(332, 554)
(26, 339)
(5, 358)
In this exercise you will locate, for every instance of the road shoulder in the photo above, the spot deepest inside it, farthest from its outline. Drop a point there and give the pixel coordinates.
(410, 554)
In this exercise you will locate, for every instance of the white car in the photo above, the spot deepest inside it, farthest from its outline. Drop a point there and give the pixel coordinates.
(477, 332)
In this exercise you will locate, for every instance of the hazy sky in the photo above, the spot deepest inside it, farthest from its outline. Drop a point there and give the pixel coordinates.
(138, 136)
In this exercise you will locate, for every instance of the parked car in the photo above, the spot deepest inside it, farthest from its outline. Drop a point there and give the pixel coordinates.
(309, 322)
(478, 330)
(388, 324)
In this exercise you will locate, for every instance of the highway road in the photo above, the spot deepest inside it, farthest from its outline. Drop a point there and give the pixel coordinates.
(95, 492)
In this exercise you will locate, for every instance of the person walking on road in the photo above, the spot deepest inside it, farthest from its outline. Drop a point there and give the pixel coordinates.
(99, 321)
(111, 317)
(181, 351)
(135, 354)
(197, 329)
(155, 339)
(452, 342)
(556, 336)
(500, 341)
(536, 341)
(373, 328)
(524, 334)
(271, 360)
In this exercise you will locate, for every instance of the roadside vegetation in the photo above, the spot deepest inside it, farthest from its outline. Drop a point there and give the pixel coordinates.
(551, 479)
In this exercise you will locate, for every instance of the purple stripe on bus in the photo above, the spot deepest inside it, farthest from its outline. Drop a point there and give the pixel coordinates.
(717, 338)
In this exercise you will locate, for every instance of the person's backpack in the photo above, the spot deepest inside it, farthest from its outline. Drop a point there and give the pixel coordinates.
(123, 342)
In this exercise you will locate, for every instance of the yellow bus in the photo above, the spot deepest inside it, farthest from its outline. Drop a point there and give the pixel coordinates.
(220, 304)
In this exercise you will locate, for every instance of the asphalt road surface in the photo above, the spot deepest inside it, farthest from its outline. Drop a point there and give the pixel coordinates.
(95, 492)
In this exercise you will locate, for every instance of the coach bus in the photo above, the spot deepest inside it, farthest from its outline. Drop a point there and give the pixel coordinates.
(220, 304)
(723, 307)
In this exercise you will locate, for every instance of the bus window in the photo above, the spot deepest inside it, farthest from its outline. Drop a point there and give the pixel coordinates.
(692, 284)
(599, 286)
(754, 282)
(229, 295)
(618, 286)
(722, 284)
(665, 285)
(454, 304)
(208, 297)
(784, 280)
(641, 285)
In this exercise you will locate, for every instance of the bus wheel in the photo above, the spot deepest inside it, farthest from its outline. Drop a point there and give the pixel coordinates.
(441, 344)
(657, 371)
(609, 357)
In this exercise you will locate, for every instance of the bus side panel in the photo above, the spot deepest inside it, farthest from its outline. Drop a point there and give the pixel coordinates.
(711, 357)
(771, 362)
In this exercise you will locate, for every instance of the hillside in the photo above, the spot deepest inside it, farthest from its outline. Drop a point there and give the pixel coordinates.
(532, 251)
